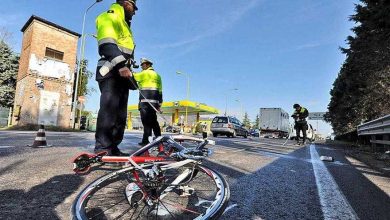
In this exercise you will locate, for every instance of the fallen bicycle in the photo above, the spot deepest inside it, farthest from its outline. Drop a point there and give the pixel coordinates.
(163, 180)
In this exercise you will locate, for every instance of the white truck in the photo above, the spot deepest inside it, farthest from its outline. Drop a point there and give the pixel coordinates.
(274, 123)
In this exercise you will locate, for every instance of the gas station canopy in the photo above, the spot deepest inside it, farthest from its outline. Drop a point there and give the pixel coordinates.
(175, 109)
(178, 107)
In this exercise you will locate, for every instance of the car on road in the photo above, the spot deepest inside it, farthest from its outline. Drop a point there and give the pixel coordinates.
(254, 133)
(229, 126)
(172, 129)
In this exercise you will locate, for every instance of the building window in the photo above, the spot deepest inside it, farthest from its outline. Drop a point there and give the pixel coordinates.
(55, 54)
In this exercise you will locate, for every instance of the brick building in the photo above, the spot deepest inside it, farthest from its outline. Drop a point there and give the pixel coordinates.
(44, 87)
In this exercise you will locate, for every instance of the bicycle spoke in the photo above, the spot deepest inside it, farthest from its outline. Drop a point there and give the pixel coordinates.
(182, 208)
(167, 209)
(157, 210)
(123, 213)
(108, 208)
(204, 190)
(105, 197)
(131, 217)
(114, 188)
(197, 176)
(141, 212)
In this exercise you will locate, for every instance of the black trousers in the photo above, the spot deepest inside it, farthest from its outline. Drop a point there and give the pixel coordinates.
(301, 127)
(149, 121)
(111, 121)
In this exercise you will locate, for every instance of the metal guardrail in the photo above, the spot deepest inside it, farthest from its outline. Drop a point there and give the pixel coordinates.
(374, 128)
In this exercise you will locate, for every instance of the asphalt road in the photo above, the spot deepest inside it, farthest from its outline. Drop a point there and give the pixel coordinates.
(268, 180)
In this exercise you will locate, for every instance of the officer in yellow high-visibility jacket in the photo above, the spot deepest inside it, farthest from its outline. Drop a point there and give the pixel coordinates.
(116, 46)
(150, 87)
(300, 114)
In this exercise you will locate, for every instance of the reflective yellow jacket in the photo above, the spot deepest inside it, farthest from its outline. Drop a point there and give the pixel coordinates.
(150, 85)
(115, 41)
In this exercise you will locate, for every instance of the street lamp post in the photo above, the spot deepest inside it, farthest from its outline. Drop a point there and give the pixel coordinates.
(73, 116)
(188, 93)
(234, 89)
(241, 114)
(81, 69)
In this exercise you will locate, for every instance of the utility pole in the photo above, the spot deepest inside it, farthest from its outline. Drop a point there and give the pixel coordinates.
(227, 93)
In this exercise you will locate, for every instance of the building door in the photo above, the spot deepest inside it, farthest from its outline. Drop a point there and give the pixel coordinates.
(48, 108)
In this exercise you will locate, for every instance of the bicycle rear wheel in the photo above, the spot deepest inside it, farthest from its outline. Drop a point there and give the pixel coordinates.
(201, 194)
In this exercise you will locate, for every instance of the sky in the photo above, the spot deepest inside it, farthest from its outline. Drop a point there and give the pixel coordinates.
(257, 53)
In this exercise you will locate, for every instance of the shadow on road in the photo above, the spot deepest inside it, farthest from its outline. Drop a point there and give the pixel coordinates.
(40, 201)
(286, 189)
(283, 189)
(369, 201)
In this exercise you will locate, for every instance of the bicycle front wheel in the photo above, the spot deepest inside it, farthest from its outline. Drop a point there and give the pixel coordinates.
(192, 191)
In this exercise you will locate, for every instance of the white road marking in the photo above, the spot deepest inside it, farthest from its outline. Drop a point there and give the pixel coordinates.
(229, 207)
(3, 147)
(334, 205)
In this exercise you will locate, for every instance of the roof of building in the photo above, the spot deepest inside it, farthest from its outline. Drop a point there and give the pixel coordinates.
(34, 17)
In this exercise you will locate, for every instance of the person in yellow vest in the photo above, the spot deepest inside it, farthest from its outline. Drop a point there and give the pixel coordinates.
(150, 99)
(300, 114)
(116, 48)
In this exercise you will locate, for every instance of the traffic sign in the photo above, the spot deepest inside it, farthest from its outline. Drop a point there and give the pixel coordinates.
(80, 106)
(316, 115)
(81, 99)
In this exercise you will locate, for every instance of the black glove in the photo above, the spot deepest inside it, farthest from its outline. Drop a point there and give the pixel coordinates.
(132, 84)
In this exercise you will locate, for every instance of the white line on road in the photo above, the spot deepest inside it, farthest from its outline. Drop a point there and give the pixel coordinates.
(228, 208)
(2, 147)
(333, 202)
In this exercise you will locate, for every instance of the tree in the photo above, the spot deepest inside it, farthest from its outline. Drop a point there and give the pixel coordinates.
(361, 92)
(246, 121)
(9, 64)
(257, 122)
(85, 75)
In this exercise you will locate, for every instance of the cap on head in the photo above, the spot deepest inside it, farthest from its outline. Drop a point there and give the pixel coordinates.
(296, 106)
(145, 60)
(131, 1)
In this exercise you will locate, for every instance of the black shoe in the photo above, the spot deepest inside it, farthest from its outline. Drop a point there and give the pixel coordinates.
(104, 152)
(117, 152)
(143, 143)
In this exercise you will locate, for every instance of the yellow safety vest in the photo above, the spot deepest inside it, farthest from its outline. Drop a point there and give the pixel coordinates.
(150, 85)
(112, 29)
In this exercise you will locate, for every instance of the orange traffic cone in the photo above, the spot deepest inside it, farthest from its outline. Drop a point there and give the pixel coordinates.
(40, 140)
